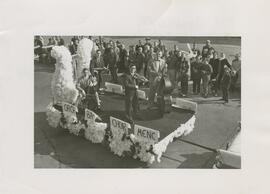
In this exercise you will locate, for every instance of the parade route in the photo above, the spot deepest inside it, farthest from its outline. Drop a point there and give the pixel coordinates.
(56, 148)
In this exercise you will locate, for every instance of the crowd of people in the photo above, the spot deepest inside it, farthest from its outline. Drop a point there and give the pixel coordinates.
(208, 70)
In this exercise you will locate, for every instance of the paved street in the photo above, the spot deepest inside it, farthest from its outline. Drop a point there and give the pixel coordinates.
(56, 148)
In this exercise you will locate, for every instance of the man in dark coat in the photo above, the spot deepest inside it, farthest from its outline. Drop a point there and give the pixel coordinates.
(131, 96)
(206, 71)
(222, 63)
(111, 60)
(214, 62)
(140, 61)
(121, 61)
(183, 76)
(196, 75)
(97, 62)
(207, 49)
(225, 83)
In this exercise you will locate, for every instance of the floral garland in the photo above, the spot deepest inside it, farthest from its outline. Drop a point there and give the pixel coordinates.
(184, 129)
(53, 116)
(119, 142)
(95, 132)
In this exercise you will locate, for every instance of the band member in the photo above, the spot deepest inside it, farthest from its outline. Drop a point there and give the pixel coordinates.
(86, 86)
(131, 96)
(157, 68)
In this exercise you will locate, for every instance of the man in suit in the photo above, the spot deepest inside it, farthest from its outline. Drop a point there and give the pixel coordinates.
(223, 62)
(214, 62)
(97, 62)
(111, 60)
(157, 68)
(206, 71)
(225, 84)
(131, 96)
(139, 61)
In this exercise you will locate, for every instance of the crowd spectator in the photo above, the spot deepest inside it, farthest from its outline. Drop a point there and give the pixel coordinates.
(139, 45)
(139, 61)
(156, 68)
(112, 64)
(236, 70)
(181, 66)
(196, 74)
(147, 42)
(223, 62)
(225, 83)
(132, 53)
(206, 71)
(122, 59)
(214, 62)
(97, 62)
(207, 49)
(183, 76)
(73, 46)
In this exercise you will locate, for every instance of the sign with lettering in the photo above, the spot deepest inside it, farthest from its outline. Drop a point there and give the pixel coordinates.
(146, 134)
(69, 109)
(117, 124)
(89, 115)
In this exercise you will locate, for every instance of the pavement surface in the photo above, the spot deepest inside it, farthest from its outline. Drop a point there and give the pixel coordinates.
(56, 148)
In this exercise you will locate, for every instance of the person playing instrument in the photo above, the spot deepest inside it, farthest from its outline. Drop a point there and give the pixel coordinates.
(157, 68)
(131, 96)
(86, 86)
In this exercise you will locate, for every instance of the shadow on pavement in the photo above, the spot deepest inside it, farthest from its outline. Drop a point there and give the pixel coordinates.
(74, 151)
(194, 160)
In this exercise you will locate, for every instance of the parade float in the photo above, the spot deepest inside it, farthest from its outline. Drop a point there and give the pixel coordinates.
(145, 139)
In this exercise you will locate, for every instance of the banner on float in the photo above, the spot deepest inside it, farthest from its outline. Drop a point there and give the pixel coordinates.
(69, 109)
(146, 134)
(90, 115)
(117, 124)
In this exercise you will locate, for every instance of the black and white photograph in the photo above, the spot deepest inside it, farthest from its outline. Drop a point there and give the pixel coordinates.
(134, 97)
(137, 102)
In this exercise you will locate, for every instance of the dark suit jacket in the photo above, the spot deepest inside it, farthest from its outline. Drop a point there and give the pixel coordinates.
(129, 84)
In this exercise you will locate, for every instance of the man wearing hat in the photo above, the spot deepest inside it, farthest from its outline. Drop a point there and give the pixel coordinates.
(147, 42)
(131, 96)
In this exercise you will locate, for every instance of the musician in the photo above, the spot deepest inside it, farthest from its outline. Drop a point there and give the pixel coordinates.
(131, 96)
(86, 86)
(157, 68)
